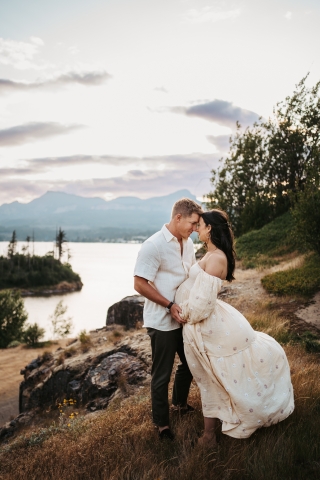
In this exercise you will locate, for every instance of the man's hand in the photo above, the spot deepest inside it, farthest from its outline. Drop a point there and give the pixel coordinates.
(175, 311)
(142, 286)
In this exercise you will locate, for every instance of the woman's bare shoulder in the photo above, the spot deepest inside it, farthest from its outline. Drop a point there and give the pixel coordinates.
(216, 264)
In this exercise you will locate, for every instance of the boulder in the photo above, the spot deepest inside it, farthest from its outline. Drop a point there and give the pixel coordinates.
(128, 312)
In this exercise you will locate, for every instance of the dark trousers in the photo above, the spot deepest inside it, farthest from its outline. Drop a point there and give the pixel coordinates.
(164, 346)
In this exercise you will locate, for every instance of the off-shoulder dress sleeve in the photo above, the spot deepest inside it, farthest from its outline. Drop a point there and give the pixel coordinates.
(202, 298)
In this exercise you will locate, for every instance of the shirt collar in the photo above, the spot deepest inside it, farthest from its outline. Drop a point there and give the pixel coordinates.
(168, 235)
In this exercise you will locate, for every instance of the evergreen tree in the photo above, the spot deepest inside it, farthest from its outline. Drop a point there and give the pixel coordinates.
(12, 247)
(61, 239)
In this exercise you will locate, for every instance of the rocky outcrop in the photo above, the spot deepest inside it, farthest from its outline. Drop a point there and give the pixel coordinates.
(92, 372)
(128, 312)
(90, 378)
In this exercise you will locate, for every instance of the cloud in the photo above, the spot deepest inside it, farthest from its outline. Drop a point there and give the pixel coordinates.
(81, 78)
(46, 163)
(156, 176)
(37, 41)
(74, 50)
(288, 15)
(161, 89)
(21, 55)
(221, 142)
(134, 164)
(209, 14)
(29, 132)
(219, 111)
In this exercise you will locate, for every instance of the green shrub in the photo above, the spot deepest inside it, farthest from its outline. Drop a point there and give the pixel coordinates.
(85, 341)
(12, 317)
(311, 342)
(304, 280)
(32, 334)
(84, 337)
(306, 215)
(14, 344)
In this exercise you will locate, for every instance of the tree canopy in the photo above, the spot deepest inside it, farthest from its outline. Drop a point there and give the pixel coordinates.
(270, 162)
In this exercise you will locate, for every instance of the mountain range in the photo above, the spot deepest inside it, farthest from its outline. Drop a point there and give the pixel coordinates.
(87, 219)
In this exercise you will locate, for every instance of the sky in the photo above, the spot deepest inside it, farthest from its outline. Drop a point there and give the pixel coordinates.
(109, 98)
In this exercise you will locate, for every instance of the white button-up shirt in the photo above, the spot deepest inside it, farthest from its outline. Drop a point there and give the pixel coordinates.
(161, 263)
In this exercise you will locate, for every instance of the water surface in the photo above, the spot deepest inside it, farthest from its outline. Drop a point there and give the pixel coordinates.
(106, 270)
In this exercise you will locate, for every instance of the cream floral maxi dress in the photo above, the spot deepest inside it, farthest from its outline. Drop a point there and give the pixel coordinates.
(243, 375)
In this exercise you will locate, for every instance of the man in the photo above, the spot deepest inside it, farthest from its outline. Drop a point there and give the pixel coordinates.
(162, 265)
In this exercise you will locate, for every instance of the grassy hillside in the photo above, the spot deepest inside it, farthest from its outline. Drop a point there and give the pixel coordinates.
(264, 247)
(272, 244)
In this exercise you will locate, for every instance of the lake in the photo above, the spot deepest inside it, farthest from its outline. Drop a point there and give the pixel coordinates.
(106, 270)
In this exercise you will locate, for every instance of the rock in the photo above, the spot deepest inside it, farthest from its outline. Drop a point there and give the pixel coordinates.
(127, 312)
(118, 371)
(6, 431)
(87, 377)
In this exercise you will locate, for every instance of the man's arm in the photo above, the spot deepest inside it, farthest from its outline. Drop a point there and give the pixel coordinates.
(142, 286)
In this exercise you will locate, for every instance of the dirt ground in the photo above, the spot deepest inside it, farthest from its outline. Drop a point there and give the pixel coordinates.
(243, 293)
(12, 360)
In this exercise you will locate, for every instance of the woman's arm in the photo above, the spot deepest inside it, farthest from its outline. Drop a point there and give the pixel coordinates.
(202, 298)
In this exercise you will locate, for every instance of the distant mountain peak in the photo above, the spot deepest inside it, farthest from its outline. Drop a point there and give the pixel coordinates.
(74, 212)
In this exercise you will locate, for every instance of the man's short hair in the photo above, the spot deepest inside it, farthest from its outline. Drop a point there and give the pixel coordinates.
(186, 208)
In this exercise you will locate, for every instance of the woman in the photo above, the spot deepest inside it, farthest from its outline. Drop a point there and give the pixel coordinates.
(243, 375)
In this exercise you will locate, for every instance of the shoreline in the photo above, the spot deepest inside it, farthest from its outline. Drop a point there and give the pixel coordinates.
(58, 289)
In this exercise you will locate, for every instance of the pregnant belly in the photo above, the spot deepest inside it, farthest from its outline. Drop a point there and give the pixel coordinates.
(183, 291)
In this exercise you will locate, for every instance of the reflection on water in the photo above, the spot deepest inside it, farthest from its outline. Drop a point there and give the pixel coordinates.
(106, 270)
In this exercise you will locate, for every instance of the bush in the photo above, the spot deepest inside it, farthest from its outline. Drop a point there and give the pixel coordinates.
(32, 334)
(304, 280)
(14, 344)
(85, 341)
(12, 317)
(306, 215)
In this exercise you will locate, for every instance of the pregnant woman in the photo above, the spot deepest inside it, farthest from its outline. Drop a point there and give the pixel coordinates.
(243, 375)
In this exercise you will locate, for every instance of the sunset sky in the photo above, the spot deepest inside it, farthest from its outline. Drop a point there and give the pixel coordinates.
(139, 97)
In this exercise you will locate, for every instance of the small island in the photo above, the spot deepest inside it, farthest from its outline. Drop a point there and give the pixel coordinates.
(37, 275)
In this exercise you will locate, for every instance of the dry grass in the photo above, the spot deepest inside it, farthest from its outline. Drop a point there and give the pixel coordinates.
(115, 336)
(121, 442)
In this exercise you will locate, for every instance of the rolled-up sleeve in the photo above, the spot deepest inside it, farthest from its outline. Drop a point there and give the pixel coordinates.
(148, 262)
(202, 299)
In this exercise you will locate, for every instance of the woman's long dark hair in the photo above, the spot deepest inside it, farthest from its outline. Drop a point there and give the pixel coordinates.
(221, 235)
